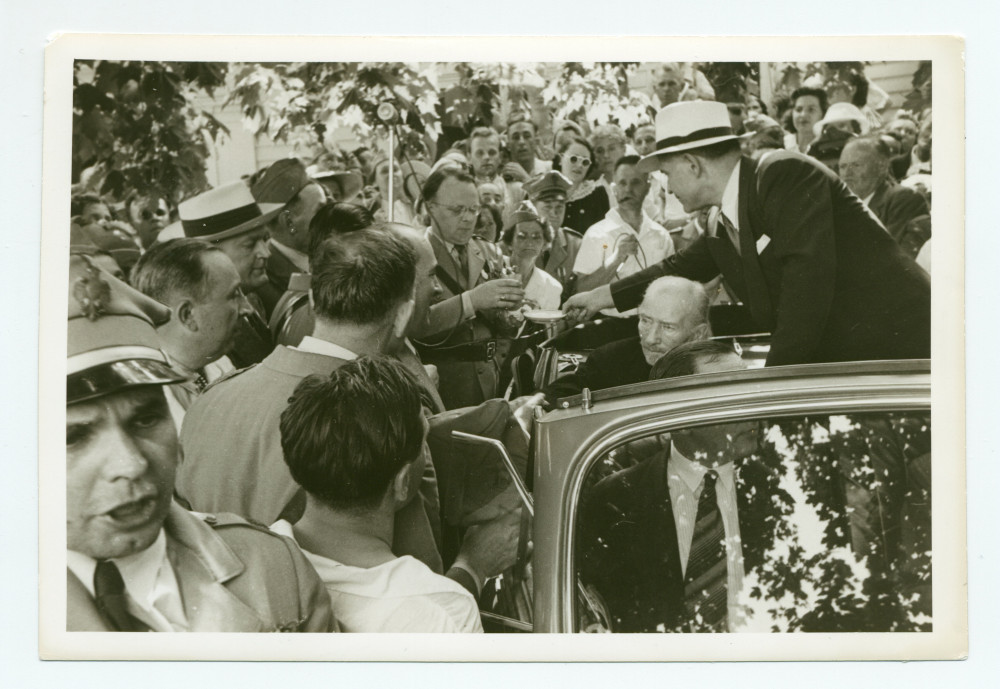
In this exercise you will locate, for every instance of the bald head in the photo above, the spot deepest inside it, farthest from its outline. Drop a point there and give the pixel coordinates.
(673, 311)
(864, 164)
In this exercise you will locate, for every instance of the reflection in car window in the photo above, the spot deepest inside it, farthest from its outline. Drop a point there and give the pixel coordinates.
(818, 523)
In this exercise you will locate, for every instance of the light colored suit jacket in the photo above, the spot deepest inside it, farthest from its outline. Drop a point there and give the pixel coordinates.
(233, 576)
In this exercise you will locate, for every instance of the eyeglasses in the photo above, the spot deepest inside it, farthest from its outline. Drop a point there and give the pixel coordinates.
(573, 160)
(459, 210)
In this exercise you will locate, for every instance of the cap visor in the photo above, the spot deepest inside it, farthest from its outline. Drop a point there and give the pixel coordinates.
(118, 375)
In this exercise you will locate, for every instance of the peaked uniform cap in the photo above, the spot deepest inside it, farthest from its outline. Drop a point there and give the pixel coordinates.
(224, 212)
(281, 182)
(553, 183)
(112, 340)
(688, 125)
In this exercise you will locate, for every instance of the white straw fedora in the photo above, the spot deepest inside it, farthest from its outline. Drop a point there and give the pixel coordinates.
(687, 125)
(224, 212)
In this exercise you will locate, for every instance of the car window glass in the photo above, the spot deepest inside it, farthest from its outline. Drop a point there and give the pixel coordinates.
(827, 528)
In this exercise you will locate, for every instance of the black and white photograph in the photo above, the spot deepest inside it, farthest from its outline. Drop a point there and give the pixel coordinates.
(458, 337)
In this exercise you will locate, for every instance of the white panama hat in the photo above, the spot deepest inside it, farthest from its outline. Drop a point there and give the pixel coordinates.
(224, 212)
(687, 125)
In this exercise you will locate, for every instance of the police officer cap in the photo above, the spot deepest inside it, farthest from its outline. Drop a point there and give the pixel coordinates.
(111, 335)
(550, 184)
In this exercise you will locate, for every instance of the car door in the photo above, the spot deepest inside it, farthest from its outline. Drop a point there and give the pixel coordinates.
(828, 474)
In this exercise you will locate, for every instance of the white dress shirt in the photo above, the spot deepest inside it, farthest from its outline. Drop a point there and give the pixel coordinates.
(314, 345)
(599, 244)
(685, 480)
(154, 596)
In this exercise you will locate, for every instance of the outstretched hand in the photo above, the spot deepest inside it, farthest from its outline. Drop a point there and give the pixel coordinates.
(584, 306)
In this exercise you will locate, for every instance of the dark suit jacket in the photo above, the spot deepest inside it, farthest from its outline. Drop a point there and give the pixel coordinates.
(253, 339)
(830, 284)
(896, 205)
(627, 543)
(279, 270)
(616, 363)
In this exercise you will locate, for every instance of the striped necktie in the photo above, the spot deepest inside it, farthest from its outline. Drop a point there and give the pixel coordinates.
(705, 580)
(109, 593)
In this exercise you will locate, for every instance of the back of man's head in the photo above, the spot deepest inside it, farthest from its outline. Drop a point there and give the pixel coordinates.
(362, 277)
(690, 358)
(345, 437)
(172, 270)
(335, 218)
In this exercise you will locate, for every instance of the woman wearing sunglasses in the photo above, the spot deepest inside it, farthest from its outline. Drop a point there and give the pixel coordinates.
(586, 201)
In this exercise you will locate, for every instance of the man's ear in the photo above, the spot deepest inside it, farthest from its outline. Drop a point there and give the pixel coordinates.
(401, 485)
(702, 331)
(403, 315)
(184, 313)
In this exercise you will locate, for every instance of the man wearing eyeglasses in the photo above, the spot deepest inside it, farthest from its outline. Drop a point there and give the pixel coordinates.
(458, 337)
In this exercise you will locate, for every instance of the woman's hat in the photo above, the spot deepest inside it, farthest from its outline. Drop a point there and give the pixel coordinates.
(841, 112)
(688, 125)
(224, 212)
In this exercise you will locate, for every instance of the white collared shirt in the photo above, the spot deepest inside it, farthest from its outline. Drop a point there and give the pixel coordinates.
(685, 482)
(154, 596)
(314, 345)
(598, 248)
(731, 197)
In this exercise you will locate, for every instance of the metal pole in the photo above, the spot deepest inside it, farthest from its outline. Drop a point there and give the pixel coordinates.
(392, 174)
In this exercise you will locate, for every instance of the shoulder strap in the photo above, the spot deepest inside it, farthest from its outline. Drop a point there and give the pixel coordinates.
(447, 280)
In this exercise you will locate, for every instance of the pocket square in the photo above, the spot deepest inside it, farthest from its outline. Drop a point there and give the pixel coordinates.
(762, 243)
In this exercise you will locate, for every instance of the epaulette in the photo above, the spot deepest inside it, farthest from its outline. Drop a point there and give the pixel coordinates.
(223, 519)
(227, 376)
(570, 231)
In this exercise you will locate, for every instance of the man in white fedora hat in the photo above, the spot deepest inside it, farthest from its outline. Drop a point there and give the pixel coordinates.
(813, 266)
(230, 218)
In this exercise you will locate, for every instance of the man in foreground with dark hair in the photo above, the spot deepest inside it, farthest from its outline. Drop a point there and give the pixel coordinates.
(816, 269)
(355, 441)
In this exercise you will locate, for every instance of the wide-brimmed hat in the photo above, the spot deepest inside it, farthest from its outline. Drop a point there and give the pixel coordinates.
(224, 212)
(350, 182)
(688, 125)
(842, 112)
(281, 182)
(112, 340)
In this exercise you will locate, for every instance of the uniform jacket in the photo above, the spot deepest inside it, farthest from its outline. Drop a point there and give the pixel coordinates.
(463, 383)
(233, 576)
(232, 456)
(628, 542)
(561, 257)
(816, 269)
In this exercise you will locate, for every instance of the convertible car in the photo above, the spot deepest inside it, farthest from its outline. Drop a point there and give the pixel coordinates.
(832, 466)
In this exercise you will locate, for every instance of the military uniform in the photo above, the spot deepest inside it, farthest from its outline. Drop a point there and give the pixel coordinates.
(216, 573)
(464, 346)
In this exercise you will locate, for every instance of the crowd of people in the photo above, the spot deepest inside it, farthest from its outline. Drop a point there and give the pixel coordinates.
(260, 380)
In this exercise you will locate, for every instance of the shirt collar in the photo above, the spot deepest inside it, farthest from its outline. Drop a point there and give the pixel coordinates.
(731, 196)
(692, 473)
(299, 259)
(139, 570)
(314, 345)
(616, 217)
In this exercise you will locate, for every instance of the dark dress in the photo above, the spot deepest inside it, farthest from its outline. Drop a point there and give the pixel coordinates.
(582, 213)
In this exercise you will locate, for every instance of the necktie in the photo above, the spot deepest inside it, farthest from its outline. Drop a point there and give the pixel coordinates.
(109, 592)
(462, 259)
(734, 235)
(705, 581)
